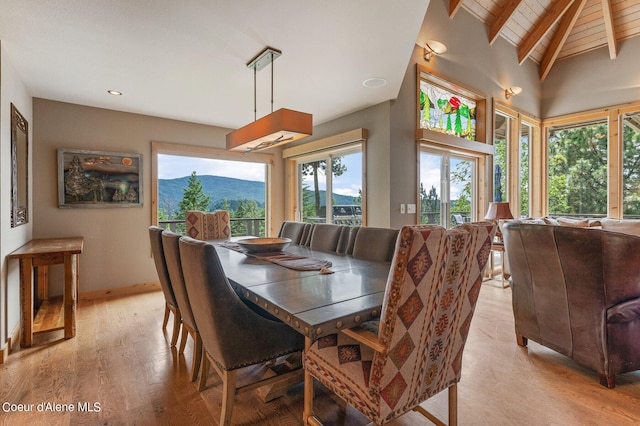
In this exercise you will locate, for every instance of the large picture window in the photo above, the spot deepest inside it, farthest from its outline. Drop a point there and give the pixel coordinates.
(577, 169)
(631, 165)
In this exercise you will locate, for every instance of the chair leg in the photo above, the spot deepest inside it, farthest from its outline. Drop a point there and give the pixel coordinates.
(607, 381)
(197, 355)
(183, 339)
(453, 405)
(177, 321)
(166, 316)
(204, 374)
(521, 340)
(228, 396)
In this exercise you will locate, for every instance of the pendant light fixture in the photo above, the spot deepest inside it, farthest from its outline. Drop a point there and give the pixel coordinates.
(277, 128)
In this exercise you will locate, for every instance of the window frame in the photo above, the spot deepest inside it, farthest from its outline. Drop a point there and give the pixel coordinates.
(166, 148)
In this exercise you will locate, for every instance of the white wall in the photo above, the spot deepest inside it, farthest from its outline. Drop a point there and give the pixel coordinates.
(11, 91)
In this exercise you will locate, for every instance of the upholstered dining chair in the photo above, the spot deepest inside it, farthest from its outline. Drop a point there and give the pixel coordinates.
(171, 305)
(293, 230)
(417, 349)
(325, 237)
(375, 243)
(233, 335)
(208, 225)
(170, 243)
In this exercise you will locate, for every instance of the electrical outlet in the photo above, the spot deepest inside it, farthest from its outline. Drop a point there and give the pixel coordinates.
(411, 208)
(402, 210)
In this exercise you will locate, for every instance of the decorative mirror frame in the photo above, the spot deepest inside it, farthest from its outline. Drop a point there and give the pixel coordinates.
(19, 168)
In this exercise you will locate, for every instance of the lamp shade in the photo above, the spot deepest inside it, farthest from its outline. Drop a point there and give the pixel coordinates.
(279, 127)
(498, 211)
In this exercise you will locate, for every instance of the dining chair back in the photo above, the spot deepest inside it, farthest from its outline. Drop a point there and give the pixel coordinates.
(375, 243)
(325, 237)
(353, 233)
(171, 245)
(427, 309)
(305, 239)
(293, 231)
(171, 305)
(233, 335)
(208, 225)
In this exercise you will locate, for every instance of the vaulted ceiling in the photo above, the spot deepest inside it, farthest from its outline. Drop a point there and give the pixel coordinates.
(547, 31)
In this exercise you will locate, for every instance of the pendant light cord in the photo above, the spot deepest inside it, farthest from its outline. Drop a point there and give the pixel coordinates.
(255, 108)
(272, 81)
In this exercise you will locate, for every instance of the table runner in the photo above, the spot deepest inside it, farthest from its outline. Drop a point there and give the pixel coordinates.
(283, 258)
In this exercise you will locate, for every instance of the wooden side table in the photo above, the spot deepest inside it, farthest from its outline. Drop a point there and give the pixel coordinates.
(37, 255)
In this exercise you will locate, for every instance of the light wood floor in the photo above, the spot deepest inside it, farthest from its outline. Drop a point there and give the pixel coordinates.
(121, 360)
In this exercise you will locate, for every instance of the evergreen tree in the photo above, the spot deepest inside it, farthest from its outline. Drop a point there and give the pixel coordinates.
(313, 168)
(193, 197)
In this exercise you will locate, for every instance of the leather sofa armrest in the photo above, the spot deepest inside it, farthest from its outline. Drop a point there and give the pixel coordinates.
(624, 312)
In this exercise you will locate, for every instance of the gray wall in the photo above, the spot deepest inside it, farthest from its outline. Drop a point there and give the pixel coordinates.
(592, 80)
(116, 250)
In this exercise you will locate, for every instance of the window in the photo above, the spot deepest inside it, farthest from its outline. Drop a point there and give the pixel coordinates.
(631, 165)
(501, 143)
(447, 187)
(577, 169)
(524, 153)
(221, 180)
(333, 165)
(343, 180)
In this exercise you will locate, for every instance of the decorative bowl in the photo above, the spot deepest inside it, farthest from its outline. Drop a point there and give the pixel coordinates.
(264, 245)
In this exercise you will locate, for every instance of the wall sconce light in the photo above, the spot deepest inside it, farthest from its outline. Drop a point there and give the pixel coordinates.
(512, 91)
(433, 48)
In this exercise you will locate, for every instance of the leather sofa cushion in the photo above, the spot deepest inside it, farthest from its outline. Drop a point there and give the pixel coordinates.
(624, 312)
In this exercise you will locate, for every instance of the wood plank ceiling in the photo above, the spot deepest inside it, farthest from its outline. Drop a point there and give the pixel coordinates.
(547, 31)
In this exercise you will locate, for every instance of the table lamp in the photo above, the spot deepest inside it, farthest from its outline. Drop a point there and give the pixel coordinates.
(497, 212)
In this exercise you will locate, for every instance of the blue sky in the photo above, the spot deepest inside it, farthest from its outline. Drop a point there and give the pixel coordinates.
(173, 166)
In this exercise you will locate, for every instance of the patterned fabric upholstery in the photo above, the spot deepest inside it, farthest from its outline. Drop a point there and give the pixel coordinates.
(208, 226)
(426, 314)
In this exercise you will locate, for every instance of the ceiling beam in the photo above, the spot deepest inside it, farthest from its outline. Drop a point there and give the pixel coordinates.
(557, 42)
(555, 11)
(454, 5)
(502, 19)
(610, 29)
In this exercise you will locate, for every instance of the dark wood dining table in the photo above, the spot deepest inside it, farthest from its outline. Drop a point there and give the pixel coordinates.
(313, 303)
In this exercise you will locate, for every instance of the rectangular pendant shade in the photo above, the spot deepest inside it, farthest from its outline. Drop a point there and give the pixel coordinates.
(279, 127)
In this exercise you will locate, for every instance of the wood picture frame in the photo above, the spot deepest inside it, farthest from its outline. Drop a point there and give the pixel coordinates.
(97, 179)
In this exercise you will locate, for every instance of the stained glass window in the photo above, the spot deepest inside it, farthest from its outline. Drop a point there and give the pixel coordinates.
(444, 111)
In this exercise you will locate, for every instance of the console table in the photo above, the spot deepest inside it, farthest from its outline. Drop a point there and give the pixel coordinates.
(37, 255)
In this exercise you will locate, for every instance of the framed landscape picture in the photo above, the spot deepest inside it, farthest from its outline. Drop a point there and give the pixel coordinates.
(99, 179)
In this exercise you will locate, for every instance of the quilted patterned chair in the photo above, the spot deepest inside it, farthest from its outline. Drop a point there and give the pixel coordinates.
(171, 305)
(429, 301)
(170, 242)
(208, 226)
(233, 335)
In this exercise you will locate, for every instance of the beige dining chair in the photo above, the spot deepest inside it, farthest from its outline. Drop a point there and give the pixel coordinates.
(208, 225)
(170, 242)
(325, 237)
(171, 305)
(373, 243)
(417, 349)
(233, 335)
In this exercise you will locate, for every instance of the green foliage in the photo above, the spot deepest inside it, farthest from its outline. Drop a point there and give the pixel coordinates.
(429, 205)
(631, 172)
(462, 174)
(578, 170)
(313, 168)
(193, 197)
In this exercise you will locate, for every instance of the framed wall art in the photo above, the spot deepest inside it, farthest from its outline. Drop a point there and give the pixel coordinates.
(99, 179)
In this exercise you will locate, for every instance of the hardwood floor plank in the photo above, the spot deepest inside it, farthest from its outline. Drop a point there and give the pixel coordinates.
(122, 360)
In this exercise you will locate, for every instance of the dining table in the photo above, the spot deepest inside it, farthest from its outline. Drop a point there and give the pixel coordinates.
(315, 302)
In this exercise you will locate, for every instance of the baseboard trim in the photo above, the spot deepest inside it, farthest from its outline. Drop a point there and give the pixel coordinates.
(12, 342)
(109, 293)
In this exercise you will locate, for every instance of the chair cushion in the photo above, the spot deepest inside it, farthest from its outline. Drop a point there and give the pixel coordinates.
(624, 312)
(625, 226)
(346, 364)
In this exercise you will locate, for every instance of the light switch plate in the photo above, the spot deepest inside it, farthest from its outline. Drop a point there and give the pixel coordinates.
(402, 210)
(411, 208)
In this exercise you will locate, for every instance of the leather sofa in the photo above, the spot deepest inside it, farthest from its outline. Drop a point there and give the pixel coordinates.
(576, 290)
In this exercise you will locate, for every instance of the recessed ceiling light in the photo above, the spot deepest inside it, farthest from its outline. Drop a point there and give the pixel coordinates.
(374, 82)
(114, 92)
